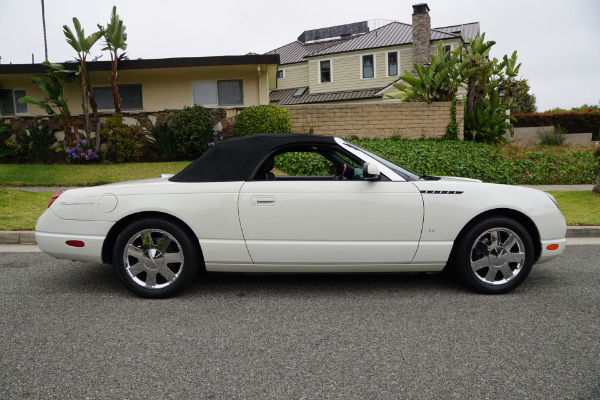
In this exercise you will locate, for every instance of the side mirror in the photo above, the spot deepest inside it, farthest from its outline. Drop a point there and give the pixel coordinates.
(370, 172)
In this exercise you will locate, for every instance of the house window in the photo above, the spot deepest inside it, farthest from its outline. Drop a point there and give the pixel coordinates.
(368, 70)
(393, 63)
(10, 104)
(448, 49)
(325, 67)
(131, 97)
(221, 93)
(280, 74)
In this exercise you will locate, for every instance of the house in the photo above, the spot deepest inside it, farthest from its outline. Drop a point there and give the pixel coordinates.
(152, 84)
(354, 62)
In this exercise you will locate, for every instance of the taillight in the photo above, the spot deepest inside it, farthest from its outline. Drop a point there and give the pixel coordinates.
(53, 199)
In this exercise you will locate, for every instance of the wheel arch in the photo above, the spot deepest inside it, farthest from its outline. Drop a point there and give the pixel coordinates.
(111, 237)
(518, 216)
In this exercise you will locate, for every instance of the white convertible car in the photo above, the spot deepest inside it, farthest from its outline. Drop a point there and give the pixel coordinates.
(228, 212)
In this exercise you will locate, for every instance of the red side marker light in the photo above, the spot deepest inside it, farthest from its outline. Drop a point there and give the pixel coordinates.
(75, 243)
(552, 247)
(53, 199)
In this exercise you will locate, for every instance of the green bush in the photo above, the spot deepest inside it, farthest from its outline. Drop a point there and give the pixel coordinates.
(165, 141)
(295, 163)
(9, 149)
(500, 164)
(125, 143)
(193, 130)
(36, 142)
(553, 137)
(571, 121)
(262, 119)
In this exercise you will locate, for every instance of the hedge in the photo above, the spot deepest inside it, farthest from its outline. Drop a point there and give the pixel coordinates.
(496, 164)
(571, 121)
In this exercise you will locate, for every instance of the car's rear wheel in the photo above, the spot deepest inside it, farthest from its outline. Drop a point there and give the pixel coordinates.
(155, 258)
(495, 256)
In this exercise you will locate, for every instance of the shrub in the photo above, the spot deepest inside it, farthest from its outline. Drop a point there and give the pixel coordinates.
(36, 142)
(126, 143)
(295, 163)
(509, 163)
(9, 149)
(554, 137)
(165, 141)
(571, 121)
(262, 119)
(82, 152)
(193, 130)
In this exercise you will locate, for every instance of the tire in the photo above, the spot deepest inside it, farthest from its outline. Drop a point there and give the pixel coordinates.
(156, 258)
(494, 256)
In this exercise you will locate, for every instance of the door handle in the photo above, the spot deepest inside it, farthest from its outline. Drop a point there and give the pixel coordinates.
(263, 200)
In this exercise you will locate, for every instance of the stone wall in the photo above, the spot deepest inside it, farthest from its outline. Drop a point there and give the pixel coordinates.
(223, 120)
(375, 120)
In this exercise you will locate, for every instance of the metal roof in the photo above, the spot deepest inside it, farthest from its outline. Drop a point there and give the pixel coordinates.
(286, 96)
(468, 31)
(392, 34)
(296, 51)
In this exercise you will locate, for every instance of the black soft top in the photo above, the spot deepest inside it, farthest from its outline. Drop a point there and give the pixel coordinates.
(237, 159)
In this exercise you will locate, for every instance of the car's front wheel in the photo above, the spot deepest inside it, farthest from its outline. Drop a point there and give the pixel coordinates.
(495, 256)
(155, 258)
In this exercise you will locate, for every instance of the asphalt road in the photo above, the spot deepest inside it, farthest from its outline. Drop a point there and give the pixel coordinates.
(71, 331)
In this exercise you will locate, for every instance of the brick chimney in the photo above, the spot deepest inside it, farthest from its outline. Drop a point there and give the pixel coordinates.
(421, 34)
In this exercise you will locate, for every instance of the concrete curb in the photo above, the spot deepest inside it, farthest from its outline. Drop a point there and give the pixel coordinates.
(28, 237)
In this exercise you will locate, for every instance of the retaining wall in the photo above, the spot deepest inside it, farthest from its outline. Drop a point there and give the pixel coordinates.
(375, 120)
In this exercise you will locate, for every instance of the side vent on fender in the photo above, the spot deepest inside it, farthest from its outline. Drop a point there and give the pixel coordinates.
(441, 192)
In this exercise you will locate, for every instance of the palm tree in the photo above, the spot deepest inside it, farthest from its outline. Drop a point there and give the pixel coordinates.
(115, 38)
(82, 45)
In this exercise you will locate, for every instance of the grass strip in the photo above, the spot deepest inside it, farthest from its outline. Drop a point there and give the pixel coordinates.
(19, 210)
(83, 175)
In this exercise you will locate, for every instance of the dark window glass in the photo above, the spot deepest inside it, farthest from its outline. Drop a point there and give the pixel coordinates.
(131, 97)
(368, 70)
(392, 64)
(231, 93)
(20, 106)
(280, 74)
(325, 71)
(7, 105)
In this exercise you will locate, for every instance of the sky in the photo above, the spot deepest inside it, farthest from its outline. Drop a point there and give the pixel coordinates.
(557, 41)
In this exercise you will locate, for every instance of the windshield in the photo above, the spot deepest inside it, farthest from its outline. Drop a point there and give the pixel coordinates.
(403, 172)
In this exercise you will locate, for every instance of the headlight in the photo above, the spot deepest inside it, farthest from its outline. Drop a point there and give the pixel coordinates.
(553, 199)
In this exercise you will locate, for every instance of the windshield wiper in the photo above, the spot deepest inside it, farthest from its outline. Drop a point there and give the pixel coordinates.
(429, 177)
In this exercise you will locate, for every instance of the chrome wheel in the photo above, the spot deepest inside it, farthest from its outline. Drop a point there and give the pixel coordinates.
(497, 256)
(153, 259)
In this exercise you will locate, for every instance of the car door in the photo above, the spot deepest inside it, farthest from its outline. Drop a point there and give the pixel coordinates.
(320, 225)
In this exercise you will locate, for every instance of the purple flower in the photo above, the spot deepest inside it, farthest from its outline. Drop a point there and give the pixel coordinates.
(220, 137)
(211, 144)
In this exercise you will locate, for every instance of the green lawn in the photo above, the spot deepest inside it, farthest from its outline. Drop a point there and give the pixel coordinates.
(19, 210)
(579, 208)
(82, 175)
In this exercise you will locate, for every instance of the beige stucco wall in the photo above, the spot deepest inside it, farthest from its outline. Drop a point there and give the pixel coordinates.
(376, 120)
(164, 88)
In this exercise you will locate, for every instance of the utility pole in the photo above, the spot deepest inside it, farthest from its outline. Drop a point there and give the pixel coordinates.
(44, 23)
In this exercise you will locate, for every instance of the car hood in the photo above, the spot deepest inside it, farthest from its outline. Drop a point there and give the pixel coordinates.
(458, 179)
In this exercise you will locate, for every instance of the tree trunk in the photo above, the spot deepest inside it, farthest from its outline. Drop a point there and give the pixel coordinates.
(85, 99)
(596, 188)
(96, 121)
(114, 83)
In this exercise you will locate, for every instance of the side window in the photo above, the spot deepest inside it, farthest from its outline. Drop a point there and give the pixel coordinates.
(311, 164)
